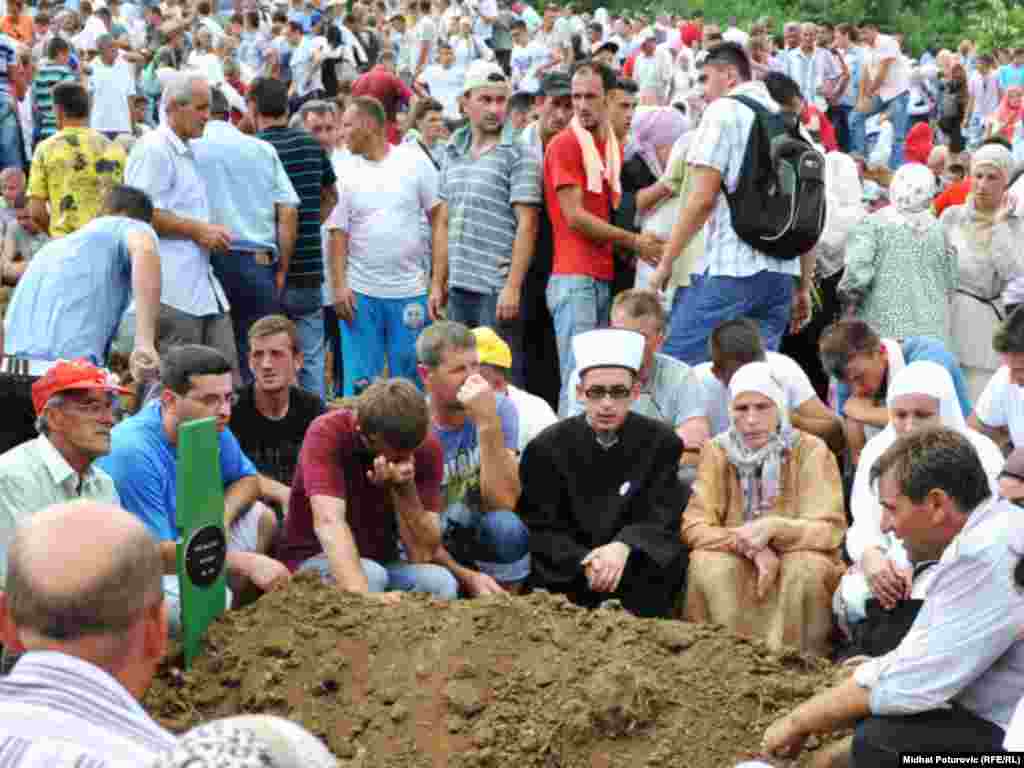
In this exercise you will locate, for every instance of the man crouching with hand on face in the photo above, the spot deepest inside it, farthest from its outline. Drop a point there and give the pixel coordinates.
(365, 499)
(601, 495)
(485, 544)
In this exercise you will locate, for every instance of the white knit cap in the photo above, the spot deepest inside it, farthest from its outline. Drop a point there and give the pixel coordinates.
(758, 377)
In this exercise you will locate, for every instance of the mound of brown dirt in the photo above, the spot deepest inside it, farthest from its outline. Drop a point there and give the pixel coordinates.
(488, 683)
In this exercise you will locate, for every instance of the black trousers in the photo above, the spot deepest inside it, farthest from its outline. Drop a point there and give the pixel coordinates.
(803, 346)
(879, 740)
(645, 590)
(19, 423)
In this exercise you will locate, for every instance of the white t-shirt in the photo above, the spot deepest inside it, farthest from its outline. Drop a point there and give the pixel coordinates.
(380, 206)
(425, 31)
(446, 86)
(340, 158)
(535, 415)
(897, 80)
(1002, 405)
(110, 88)
(795, 384)
(1014, 741)
(208, 64)
(488, 8)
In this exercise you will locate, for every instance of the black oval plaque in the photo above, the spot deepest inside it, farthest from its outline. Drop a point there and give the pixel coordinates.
(205, 553)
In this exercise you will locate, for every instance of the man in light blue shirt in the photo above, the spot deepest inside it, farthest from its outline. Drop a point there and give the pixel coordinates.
(252, 197)
(70, 300)
(953, 682)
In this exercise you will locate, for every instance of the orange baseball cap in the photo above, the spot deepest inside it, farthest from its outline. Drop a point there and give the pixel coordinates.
(73, 374)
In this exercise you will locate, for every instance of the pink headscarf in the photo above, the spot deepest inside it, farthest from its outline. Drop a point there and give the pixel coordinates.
(653, 128)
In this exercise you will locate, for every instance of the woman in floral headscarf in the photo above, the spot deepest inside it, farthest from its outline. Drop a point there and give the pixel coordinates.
(900, 270)
(987, 238)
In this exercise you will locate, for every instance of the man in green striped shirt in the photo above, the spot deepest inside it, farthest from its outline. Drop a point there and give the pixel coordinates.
(53, 70)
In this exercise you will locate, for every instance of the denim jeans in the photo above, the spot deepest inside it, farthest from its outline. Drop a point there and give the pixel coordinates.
(577, 303)
(896, 109)
(303, 307)
(396, 576)
(481, 309)
(12, 146)
(496, 543)
(252, 294)
(765, 298)
(382, 329)
(839, 114)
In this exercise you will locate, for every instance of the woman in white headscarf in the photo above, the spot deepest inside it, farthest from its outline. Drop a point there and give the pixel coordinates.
(764, 523)
(921, 395)
(248, 741)
(900, 270)
(987, 237)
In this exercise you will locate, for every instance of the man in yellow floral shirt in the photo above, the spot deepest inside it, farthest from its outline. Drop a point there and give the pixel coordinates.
(73, 170)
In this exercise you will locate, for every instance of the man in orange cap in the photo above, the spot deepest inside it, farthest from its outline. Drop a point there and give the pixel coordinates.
(74, 404)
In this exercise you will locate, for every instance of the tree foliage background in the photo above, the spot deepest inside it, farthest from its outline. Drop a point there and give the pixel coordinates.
(926, 23)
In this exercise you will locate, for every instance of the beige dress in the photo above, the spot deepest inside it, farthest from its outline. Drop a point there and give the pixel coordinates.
(722, 586)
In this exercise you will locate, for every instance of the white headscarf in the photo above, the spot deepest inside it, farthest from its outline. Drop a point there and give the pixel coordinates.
(917, 378)
(760, 471)
(248, 741)
(844, 195)
(911, 192)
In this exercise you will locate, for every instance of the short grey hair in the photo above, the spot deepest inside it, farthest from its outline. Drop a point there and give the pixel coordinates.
(108, 604)
(438, 338)
(179, 90)
(42, 425)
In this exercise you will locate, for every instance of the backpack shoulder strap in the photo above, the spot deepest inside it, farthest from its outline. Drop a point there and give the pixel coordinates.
(750, 103)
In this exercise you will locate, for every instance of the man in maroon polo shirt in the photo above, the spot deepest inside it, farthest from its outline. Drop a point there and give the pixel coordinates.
(366, 497)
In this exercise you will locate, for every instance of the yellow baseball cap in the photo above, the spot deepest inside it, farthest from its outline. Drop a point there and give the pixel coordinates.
(491, 348)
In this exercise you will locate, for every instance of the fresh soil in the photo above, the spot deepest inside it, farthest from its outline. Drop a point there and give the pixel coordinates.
(531, 682)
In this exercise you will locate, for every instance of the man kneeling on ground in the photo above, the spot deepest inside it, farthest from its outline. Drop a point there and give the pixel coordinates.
(601, 496)
(366, 499)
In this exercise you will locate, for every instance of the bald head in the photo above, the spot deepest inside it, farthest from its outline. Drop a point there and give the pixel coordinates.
(81, 569)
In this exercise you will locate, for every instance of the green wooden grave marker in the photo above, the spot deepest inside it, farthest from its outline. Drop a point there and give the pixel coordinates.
(202, 543)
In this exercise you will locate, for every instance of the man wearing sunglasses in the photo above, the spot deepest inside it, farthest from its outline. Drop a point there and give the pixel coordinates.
(600, 492)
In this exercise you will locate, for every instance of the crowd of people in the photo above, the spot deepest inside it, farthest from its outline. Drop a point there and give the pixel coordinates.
(464, 290)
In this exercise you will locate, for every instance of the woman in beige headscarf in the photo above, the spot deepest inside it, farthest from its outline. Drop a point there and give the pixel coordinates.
(765, 523)
(987, 239)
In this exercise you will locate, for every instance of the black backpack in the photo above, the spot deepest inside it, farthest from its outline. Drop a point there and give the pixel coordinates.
(778, 207)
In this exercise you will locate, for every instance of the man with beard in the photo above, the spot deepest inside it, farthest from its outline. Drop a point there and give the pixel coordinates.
(600, 491)
(581, 186)
(485, 229)
(541, 355)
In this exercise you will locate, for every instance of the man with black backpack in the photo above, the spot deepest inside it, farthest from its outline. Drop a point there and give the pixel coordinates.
(747, 183)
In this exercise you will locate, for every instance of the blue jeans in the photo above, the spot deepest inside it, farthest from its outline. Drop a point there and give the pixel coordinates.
(496, 543)
(896, 108)
(765, 298)
(12, 147)
(396, 576)
(481, 309)
(252, 294)
(381, 329)
(303, 307)
(577, 303)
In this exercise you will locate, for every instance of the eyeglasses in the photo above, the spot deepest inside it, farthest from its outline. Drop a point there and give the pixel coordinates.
(617, 392)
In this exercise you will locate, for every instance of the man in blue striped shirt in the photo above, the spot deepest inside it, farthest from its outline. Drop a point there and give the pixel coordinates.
(52, 71)
(92, 624)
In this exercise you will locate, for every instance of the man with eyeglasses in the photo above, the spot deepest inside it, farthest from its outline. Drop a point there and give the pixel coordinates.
(600, 491)
(143, 462)
(74, 405)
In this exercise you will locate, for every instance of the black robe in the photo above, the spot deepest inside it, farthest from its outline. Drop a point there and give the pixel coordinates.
(577, 495)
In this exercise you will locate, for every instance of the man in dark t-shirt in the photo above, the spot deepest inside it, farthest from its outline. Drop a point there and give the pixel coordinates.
(312, 175)
(272, 414)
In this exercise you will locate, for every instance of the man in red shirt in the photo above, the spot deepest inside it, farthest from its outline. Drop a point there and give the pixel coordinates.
(383, 84)
(369, 480)
(581, 184)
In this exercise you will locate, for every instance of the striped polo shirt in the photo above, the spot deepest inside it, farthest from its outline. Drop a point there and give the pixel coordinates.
(47, 76)
(59, 711)
(310, 170)
(481, 221)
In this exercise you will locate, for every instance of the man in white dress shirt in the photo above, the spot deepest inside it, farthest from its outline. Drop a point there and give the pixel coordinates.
(193, 307)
